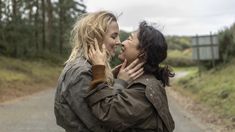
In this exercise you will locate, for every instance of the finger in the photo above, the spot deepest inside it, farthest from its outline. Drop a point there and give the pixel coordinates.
(137, 72)
(97, 45)
(103, 49)
(134, 63)
(117, 67)
(90, 53)
(92, 48)
(124, 64)
(137, 67)
(138, 75)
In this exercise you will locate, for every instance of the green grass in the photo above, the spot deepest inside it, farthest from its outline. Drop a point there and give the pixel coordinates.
(179, 58)
(22, 77)
(187, 54)
(215, 88)
(190, 70)
(22, 70)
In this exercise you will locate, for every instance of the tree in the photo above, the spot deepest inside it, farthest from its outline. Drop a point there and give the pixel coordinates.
(68, 12)
(26, 26)
(49, 23)
(36, 25)
(0, 12)
(43, 26)
(61, 24)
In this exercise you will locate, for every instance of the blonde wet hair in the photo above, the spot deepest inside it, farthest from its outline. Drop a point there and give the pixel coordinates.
(90, 26)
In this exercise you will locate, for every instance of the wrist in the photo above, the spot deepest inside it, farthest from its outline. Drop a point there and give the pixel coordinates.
(99, 63)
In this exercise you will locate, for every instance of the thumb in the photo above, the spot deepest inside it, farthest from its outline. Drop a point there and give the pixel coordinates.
(103, 48)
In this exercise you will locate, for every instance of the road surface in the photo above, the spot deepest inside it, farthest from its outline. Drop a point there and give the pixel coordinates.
(29, 114)
(35, 114)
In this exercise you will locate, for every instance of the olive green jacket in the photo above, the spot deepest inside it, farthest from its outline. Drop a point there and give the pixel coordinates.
(70, 108)
(141, 106)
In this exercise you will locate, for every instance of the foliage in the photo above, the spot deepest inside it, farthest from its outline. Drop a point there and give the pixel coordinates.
(214, 88)
(178, 42)
(22, 77)
(31, 28)
(180, 58)
(123, 35)
(227, 43)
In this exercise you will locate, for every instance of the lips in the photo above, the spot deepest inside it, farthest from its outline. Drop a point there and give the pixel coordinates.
(118, 49)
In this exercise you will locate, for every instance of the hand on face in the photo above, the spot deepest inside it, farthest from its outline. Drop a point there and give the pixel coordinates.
(131, 72)
(96, 56)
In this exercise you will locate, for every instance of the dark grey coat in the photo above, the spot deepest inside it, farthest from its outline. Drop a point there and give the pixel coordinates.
(71, 111)
(141, 106)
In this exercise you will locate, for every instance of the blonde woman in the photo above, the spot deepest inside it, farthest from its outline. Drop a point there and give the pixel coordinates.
(71, 111)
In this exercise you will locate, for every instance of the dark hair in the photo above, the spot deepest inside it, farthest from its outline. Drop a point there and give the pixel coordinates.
(154, 47)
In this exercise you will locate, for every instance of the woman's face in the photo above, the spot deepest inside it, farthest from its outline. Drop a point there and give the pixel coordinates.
(111, 38)
(129, 50)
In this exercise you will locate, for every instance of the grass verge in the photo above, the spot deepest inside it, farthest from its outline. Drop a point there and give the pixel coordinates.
(23, 77)
(214, 88)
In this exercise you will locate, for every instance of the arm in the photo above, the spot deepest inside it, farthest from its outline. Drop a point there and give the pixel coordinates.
(118, 106)
(77, 81)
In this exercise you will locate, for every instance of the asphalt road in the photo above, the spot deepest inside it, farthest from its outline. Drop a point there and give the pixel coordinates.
(29, 114)
(184, 121)
(35, 114)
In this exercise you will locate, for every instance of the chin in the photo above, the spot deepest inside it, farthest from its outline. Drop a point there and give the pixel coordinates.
(121, 57)
(111, 53)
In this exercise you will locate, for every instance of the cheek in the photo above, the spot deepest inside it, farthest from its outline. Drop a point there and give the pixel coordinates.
(108, 44)
(132, 55)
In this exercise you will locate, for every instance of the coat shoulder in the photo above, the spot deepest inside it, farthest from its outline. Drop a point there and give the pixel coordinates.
(148, 80)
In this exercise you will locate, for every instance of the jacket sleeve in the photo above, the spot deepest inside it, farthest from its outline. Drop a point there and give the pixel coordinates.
(77, 81)
(118, 106)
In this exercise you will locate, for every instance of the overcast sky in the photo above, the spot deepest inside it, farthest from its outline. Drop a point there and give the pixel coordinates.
(173, 17)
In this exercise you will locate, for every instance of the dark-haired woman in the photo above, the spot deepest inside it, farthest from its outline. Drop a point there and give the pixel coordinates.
(140, 105)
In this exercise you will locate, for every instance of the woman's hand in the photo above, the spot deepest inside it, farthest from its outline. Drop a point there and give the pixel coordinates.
(96, 56)
(131, 72)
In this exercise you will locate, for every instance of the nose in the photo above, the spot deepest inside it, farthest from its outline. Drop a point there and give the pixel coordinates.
(124, 42)
(118, 40)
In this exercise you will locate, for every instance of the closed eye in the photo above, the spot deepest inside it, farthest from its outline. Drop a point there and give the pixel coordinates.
(130, 37)
(114, 35)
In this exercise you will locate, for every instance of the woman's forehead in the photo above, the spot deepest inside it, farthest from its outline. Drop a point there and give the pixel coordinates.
(113, 27)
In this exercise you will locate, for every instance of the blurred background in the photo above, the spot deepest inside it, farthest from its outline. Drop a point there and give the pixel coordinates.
(34, 44)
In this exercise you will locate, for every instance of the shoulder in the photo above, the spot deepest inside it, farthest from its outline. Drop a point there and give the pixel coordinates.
(74, 70)
(154, 90)
(147, 80)
(79, 65)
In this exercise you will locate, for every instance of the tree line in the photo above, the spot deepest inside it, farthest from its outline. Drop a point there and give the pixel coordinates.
(37, 28)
